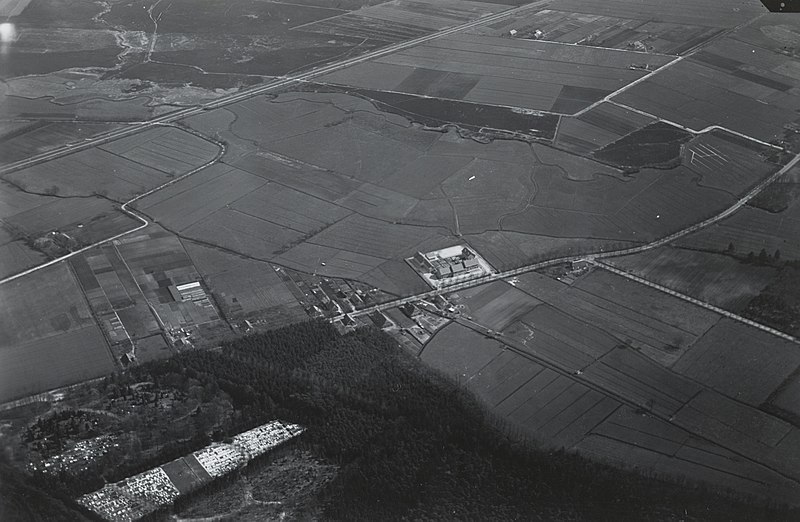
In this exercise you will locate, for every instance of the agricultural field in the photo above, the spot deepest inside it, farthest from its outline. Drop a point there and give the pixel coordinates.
(645, 31)
(245, 288)
(662, 327)
(158, 263)
(716, 278)
(48, 337)
(534, 75)
(752, 229)
(598, 127)
(745, 81)
(398, 20)
(740, 361)
(120, 169)
(622, 408)
(106, 64)
(628, 438)
(42, 136)
(113, 295)
(495, 305)
(361, 214)
(706, 13)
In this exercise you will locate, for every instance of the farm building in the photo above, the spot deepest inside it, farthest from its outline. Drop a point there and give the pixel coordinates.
(449, 265)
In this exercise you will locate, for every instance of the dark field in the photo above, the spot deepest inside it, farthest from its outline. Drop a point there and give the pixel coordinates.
(657, 145)
(438, 112)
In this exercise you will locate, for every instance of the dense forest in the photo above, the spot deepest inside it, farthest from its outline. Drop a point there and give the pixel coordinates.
(409, 443)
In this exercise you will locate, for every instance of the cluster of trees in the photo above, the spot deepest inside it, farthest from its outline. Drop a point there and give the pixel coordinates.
(410, 443)
(778, 305)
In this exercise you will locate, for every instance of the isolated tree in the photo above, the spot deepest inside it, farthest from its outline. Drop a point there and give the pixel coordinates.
(751, 257)
(777, 256)
(731, 248)
(763, 257)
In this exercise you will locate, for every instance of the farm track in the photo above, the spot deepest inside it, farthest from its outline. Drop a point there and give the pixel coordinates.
(170, 119)
(601, 255)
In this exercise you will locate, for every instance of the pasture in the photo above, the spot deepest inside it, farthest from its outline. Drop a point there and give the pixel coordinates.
(342, 204)
(54, 307)
(51, 362)
(718, 279)
(121, 168)
(495, 305)
(740, 361)
(660, 326)
(48, 337)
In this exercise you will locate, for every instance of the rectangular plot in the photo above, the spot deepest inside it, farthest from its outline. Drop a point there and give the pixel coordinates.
(53, 362)
(541, 381)
(190, 206)
(573, 432)
(720, 418)
(549, 413)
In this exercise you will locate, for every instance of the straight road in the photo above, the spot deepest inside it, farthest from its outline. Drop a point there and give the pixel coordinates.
(592, 258)
(276, 84)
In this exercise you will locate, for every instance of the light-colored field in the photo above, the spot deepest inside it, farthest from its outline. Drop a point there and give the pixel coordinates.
(715, 278)
(740, 361)
(519, 73)
(613, 31)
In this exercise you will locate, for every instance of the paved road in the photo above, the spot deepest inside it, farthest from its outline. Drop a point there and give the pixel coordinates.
(697, 302)
(276, 84)
(591, 257)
